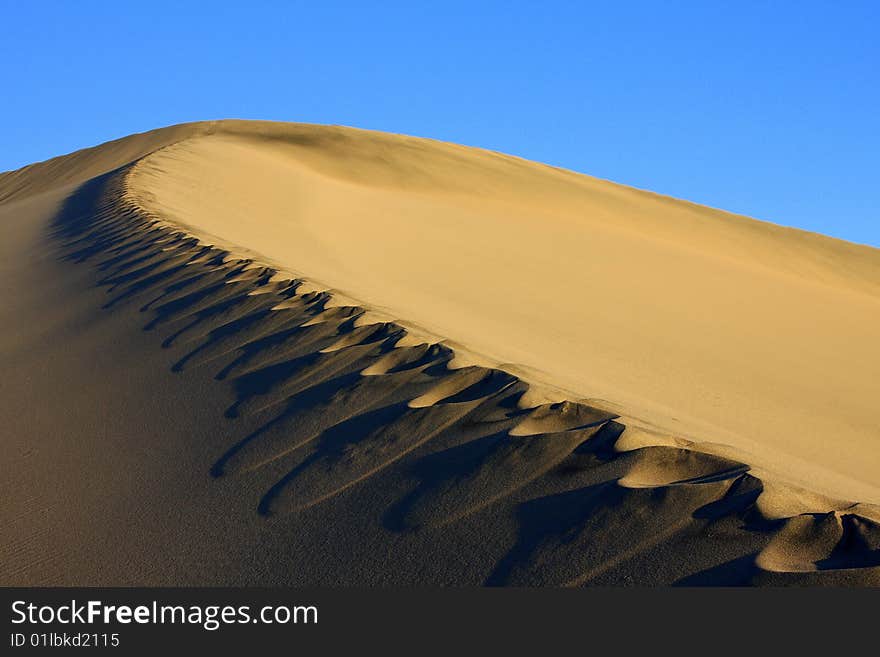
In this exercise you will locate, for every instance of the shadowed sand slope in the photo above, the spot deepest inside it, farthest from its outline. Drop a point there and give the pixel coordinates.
(284, 354)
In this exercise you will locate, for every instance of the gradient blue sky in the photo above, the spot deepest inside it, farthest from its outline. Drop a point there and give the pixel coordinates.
(769, 109)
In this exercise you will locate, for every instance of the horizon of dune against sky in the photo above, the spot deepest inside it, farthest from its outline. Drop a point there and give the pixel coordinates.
(763, 109)
(297, 354)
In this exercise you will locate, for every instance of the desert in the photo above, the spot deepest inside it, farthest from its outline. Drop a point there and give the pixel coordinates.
(258, 353)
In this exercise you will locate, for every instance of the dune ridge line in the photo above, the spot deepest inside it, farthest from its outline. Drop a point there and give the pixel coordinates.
(316, 431)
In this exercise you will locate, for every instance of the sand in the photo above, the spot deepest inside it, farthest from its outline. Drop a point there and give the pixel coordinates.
(377, 359)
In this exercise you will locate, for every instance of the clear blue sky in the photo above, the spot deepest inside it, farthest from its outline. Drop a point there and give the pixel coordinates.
(770, 109)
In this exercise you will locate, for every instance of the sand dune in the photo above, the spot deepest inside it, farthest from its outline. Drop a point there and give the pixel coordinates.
(377, 359)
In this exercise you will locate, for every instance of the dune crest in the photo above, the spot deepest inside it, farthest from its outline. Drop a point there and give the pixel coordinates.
(339, 416)
(703, 324)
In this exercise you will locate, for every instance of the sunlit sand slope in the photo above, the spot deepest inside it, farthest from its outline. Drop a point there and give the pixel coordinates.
(377, 359)
(704, 324)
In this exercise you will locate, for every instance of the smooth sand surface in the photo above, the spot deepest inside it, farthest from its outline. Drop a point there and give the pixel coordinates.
(358, 351)
(706, 325)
